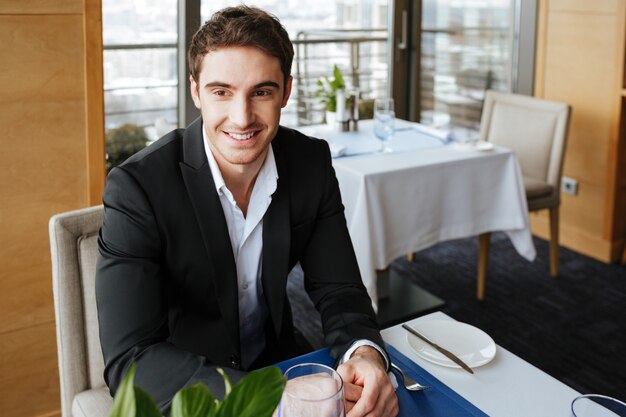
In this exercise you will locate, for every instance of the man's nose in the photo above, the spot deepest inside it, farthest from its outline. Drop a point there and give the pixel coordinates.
(241, 113)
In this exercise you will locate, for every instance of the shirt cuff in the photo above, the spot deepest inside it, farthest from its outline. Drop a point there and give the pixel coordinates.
(364, 342)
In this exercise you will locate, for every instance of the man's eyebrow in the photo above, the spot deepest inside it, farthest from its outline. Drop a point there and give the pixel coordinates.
(259, 85)
(217, 84)
(267, 84)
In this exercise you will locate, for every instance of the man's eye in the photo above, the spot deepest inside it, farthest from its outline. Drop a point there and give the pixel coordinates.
(261, 93)
(219, 93)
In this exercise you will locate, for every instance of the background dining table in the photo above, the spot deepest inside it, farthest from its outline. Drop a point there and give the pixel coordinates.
(429, 190)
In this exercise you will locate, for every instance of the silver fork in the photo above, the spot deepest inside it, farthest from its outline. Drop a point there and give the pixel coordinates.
(409, 383)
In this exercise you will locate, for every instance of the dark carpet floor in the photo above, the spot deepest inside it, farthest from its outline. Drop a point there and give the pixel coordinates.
(572, 327)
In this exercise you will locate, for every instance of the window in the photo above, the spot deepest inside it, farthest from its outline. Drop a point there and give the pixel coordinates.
(140, 73)
(349, 33)
(466, 49)
(141, 65)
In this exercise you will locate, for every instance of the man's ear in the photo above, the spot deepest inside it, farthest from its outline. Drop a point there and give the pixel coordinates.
(287, 92)
(195, 93)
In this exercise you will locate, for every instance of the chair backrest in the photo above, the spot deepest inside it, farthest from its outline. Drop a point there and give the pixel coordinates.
(74, 250)
(536, 129)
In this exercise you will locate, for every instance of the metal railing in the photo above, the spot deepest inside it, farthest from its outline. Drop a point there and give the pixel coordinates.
(137, 95)
(361, 55)
(475, 59)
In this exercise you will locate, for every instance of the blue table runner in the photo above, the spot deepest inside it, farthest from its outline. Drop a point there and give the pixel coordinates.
(438, 401)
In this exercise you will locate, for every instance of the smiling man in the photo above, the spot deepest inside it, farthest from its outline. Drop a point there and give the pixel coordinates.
(202, 228)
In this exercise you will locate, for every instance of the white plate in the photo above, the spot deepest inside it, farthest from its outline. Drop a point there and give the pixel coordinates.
(470, 344)
(480, 145)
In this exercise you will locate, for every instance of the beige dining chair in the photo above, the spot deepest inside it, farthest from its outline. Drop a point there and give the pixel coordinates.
(536, 130)
(74, 249)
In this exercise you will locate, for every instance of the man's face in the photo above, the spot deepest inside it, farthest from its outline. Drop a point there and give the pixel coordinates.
(240, 93)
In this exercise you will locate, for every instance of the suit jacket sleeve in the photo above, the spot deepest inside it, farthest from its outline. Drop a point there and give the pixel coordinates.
(332, 276)
(131, 294)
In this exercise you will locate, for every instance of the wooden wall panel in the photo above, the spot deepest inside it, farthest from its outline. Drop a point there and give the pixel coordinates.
(622, 148)
(577, 68)
(580, 61)
(50, 414)
(585, 6)
(575, 209)
(586, 156)
(44, 161)
(41, 7)
(29, 381)
(52, 136)
(572, 238)
(624, 64)
(575, 214)
(621, 186)
(94, 81)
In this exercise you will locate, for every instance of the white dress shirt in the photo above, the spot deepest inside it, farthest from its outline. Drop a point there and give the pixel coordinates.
(246, 238)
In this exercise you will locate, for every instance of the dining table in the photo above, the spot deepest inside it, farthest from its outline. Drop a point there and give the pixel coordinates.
(429, 189)
(505, 385)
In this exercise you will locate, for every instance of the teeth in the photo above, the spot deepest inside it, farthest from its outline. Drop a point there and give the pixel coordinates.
(241, 137)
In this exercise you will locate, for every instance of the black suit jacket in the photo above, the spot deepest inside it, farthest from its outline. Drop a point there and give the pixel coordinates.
(166, 282)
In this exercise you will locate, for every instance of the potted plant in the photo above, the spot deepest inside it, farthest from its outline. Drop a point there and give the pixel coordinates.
(327, 90)
(122, 142)
(256, 395)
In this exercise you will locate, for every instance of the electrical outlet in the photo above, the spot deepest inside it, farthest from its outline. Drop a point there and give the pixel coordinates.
(569, 185)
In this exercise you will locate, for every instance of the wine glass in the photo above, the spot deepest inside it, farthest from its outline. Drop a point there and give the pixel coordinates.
(384, 117)
(596, 405)
(312, 390)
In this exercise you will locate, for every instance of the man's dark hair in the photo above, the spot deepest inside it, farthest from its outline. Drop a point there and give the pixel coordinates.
(241, 26)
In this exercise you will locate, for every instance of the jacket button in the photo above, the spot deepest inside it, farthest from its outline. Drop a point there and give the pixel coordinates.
(234, 360)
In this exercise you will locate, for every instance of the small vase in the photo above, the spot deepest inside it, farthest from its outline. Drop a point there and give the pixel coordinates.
(331, 117)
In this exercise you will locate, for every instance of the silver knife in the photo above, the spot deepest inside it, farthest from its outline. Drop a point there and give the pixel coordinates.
(446, 352)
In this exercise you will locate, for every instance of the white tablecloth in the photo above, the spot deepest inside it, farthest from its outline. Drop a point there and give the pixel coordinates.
(409, 200)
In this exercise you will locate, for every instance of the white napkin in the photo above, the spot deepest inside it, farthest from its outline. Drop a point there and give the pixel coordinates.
(444, 135)
(336, 150)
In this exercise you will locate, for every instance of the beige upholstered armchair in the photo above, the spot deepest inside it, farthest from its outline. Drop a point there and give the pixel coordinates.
(536, 130)
(73, 245)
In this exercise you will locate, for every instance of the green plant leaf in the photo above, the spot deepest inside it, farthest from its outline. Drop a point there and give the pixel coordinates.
(228, 387)
(327, 89)
(338, 81)
(193, 401)
(146, 406)
(124, 404)
(256, 395)
(132, 401)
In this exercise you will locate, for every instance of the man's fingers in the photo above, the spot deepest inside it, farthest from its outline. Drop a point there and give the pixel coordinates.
(367, 386)
(377, 399)
(352, 392)
(392, 409)
(367, 402)
(389, 401)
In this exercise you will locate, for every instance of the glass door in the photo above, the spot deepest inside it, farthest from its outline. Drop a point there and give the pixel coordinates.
(466, 49)
(447, 53)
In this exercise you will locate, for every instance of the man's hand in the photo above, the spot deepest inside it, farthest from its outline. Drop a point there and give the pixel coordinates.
(367, 389)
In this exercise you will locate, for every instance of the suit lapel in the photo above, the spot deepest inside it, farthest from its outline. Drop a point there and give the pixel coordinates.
(210, 216)
(276, 240)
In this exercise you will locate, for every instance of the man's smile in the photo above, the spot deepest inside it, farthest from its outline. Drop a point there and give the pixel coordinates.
(241, 136)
